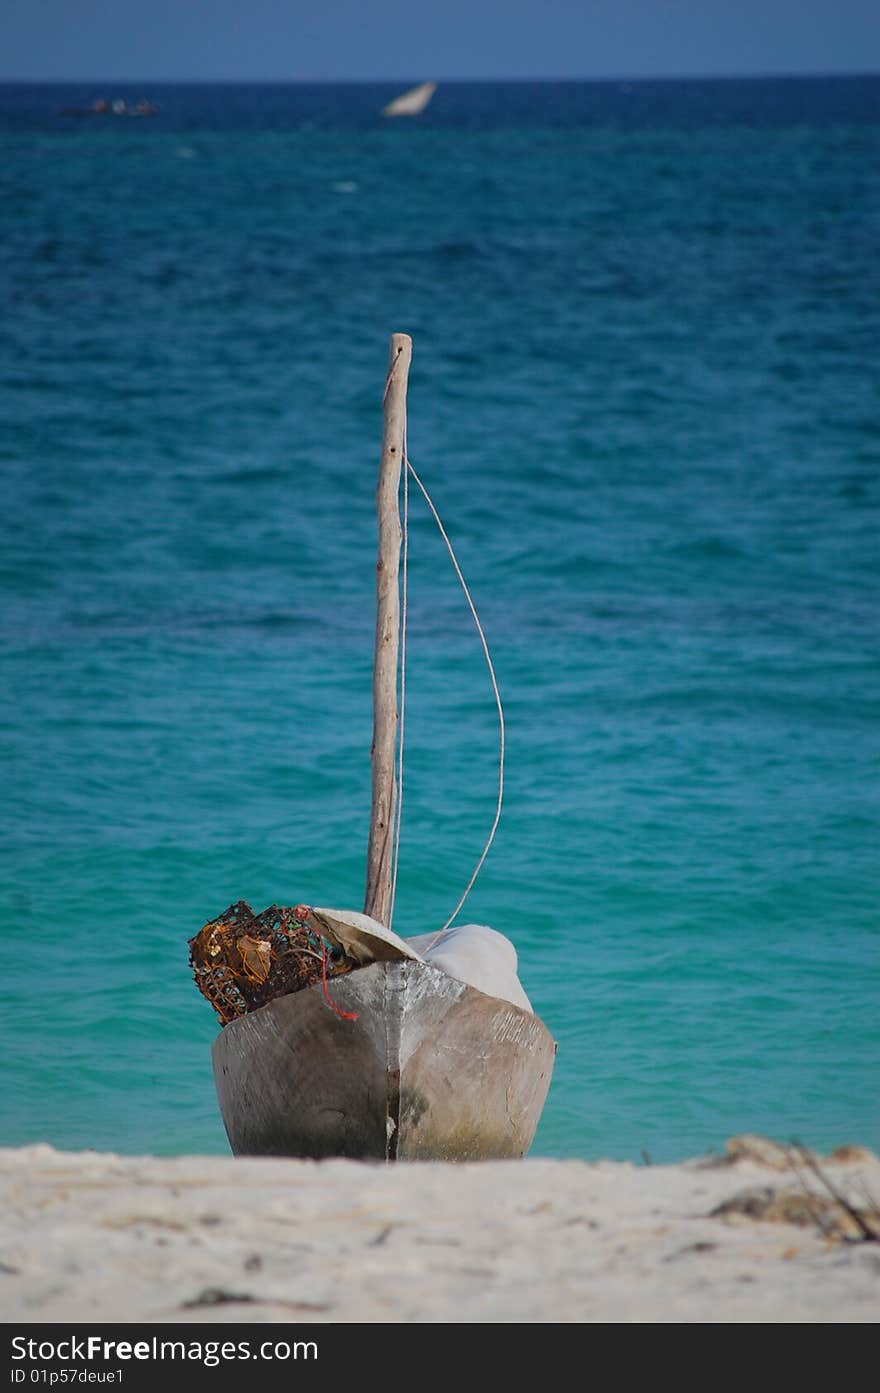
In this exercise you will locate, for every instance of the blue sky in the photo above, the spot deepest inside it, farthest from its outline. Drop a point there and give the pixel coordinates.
(289, 40)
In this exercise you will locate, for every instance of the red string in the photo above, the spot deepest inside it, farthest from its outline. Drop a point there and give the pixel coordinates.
(343, 1015)
(302, 912)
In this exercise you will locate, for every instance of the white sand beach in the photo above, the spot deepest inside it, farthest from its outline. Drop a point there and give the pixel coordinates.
(86, 1236)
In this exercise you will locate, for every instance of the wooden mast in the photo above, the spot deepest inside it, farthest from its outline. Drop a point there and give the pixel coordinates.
(377, 901)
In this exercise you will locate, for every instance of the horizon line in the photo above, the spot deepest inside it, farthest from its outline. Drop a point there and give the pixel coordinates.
(768, 76)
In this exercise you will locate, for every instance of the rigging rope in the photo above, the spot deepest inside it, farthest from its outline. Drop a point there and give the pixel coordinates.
(409, 469)
(398, 809)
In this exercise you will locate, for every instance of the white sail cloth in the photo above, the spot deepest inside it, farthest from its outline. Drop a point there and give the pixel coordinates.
(471, 953)
(478, 955)
(357, 935)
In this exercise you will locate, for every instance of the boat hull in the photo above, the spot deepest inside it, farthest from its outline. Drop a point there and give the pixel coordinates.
(431, 1069)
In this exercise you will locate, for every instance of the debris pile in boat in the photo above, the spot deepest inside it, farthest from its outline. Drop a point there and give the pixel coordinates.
(242, 960)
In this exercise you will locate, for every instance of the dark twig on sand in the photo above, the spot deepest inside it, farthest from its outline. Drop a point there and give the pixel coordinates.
(867, 1233)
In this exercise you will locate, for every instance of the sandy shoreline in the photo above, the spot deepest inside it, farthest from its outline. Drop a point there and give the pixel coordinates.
(87, 1235)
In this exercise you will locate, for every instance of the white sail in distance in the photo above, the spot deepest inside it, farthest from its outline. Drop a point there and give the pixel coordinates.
(411, 102)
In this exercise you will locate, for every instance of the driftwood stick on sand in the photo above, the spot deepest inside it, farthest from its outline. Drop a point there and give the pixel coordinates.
(378, 895)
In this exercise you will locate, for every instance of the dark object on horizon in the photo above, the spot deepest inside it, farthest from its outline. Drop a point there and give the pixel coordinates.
(118, 107)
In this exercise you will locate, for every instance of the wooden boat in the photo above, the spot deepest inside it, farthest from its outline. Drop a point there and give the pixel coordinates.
(431, 1069)
(412, 1063)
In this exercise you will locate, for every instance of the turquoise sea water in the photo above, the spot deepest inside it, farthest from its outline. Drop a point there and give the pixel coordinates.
(645, 397)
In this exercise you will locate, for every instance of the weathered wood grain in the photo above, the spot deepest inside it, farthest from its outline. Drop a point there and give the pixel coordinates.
(431, 1069)
(377, 900)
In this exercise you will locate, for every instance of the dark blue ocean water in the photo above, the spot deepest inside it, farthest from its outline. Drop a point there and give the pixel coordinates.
(645, 397)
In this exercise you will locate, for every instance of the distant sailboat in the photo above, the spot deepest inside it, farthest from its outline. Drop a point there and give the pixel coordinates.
(411, 102)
